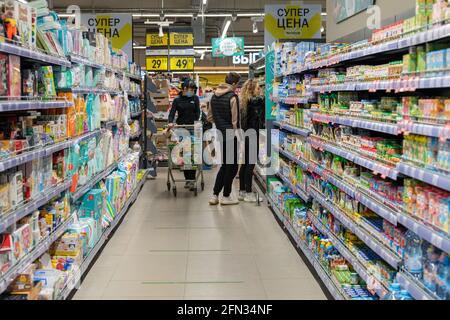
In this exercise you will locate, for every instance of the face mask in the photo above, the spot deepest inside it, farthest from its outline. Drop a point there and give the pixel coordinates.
(189, 94)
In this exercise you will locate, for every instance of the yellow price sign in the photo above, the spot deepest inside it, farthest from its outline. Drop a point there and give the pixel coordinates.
(181, 63)
(157, 64)
(154, 40)
(180, 39)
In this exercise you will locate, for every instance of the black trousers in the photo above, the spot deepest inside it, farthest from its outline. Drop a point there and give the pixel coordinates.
(227, 172)
(246, 172)
(189, 174)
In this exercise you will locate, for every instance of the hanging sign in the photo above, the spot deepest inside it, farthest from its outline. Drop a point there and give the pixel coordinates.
(292, 21)
(153, 40)
(227, 47)
(157, 64)
(181, 63)
(181, 39)
(117, 27)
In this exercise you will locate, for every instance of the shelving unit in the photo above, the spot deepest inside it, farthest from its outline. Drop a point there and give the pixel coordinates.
(333, 289)
(34, 56)
(395, 171)
(76, 280)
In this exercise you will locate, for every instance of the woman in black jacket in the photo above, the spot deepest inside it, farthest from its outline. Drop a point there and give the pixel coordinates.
(187, 108)
(252, 116)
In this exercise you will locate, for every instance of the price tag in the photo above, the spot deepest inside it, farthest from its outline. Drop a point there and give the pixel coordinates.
(157, 64)
(181, 63)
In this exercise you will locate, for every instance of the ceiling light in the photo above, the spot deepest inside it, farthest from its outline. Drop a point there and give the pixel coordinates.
(225, 28)
(322, 29)
(205, 2)
(161, 33)
(202, 56)
(324, 13)
(255, 27)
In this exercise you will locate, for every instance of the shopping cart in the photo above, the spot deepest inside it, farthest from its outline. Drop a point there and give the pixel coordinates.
(177, 162)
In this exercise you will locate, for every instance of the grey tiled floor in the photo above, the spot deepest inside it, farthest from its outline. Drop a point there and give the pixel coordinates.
(182, 248)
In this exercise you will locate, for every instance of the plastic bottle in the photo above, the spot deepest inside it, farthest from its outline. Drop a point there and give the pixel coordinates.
(413, 255)
(404, 295)
(394, 292)
(442, 279)
(430, 265)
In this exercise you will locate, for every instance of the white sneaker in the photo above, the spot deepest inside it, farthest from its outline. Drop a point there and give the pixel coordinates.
(250, 197)
(229, 201)
(214, 201)
(242, 195)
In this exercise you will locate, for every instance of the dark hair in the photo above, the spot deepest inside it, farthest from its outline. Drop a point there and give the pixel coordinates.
(188, 84)
(232, 78)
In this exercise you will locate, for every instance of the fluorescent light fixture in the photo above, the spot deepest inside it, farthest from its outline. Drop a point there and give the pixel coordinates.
(205, 2)
(322, 29)
(207, 15)
(139, 47)
(324, 13)
(23, 1)
(202, 56)
(225, 28)
(161, 33)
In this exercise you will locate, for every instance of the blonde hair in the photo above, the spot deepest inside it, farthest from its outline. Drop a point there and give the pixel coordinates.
(249, 90)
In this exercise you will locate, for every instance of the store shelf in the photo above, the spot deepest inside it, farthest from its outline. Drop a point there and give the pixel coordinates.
(404, 84)
(363, 235)
(302, 163)
(430, 177)
(370, 164)
(429, 130)
(298, 191)
(292, 129)
(18, 105)
(33, 54)
(436, 238)
(327, 281)
(81, 191)
(87, 136)
(414, 287)
(65, 293)
(292, 100)
(84, 61)
(384, 127)
(37, 252)
(23, 210)
(433, 34)
(28, 156)
(110, 124)
(89, 90)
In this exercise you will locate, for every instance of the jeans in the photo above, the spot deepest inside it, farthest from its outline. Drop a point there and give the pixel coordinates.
(227, 172)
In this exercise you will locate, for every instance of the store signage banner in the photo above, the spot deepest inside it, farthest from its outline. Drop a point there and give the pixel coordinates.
(153, 40)
(344, 9)
(181, 39)
(270, 76)
(227, 47)
(118, 27)
(293, 21)
(174, 51)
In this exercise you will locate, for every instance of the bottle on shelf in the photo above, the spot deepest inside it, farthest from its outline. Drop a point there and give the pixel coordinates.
(413, 255)
(430, 265)
(394, 292)
(404, 295)
(442, 278)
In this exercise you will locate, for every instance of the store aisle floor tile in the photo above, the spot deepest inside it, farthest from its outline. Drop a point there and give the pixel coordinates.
(183, 248)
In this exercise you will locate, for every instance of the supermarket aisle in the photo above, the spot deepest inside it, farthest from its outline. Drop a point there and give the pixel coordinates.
(183, 248)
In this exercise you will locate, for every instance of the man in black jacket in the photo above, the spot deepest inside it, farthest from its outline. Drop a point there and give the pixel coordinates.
(224, 112)
(187, 108)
